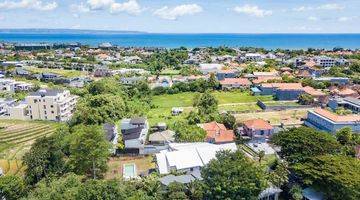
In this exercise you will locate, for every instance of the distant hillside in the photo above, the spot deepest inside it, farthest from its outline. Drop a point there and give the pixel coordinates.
(65, 31)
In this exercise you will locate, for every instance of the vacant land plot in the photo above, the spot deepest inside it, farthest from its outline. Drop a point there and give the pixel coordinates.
(62, 72)
(288, 117)
(16, 138)
(143, 165)
(228, 101)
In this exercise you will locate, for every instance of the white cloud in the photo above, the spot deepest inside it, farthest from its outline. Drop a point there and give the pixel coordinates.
(2, 17)
(29, 4)
(100, 4)
(332, 6)
(252, 10)
(178, 11)
(346, 19)
(131, 7)
(312, 18)
(79, 8)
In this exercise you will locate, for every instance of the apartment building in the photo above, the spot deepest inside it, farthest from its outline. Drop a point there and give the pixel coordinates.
(54, 105)
(10, 85)
(327, 121)
(325, 61)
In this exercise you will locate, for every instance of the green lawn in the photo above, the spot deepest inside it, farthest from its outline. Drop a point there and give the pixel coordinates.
(164, 103)
(62, 72)
(186, 99)
(240, 108)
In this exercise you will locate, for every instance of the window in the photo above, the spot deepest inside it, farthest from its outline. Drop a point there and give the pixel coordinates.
(51, 106)
(35, 101)
(45, 112)
(52, 112)
(44, 106)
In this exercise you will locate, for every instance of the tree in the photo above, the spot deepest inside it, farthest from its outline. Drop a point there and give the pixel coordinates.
(89, 151)
(105, 86)
(298, 144)
(296, 192)
(232, 176)
(228, 120)
(279, 174)
(261, 155)
(344, 136)
(206, 104)
(99, 109)
(64, 188)
(306, 99)
(195, 190)
(337, 176)
(176, 191)
(12, 187)
(45, 158)
(188, 133)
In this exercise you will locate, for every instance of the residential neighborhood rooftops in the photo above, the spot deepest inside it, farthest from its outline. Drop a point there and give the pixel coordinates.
(258, 124)
(283, 86)
(235, 81)
(336, 118)
(217, 132)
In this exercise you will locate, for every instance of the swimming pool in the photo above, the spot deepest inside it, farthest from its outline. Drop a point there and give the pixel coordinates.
(129, 171)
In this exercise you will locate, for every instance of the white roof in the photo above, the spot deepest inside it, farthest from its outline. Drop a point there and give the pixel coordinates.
(189, 155)
(211, 66)
(161, 163)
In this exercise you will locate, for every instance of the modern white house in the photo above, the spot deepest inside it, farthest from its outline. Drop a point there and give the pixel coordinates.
(207, 68)
(11, 86)
(134, 132)
(189, 157)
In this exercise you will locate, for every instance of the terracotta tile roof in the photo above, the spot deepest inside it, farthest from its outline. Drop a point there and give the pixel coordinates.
(235, 81)
(313, 92)
(218, 132)
(265, 79)
(283, 86)
(345, 92)
(336, 118)
(258, 124)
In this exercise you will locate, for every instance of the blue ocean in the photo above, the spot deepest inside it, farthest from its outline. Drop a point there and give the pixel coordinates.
(268, 41)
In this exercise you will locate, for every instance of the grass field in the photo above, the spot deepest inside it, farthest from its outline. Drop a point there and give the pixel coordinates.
(62, 72)
(287, 117)
(16, 138)
(229, 101)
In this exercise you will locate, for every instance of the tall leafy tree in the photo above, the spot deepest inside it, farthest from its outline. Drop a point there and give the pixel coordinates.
(12, 187)
(232, 176)
(206, 103)
(96, 110)
(45, 158)
(89, 151)
(298, 144)
(337, 176)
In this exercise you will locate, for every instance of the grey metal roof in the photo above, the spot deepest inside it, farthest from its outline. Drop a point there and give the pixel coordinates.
(353, 100)
(133, 133)
(138, 120)
(109, 131)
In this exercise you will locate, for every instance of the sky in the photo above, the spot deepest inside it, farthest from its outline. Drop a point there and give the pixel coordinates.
(186, 16)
